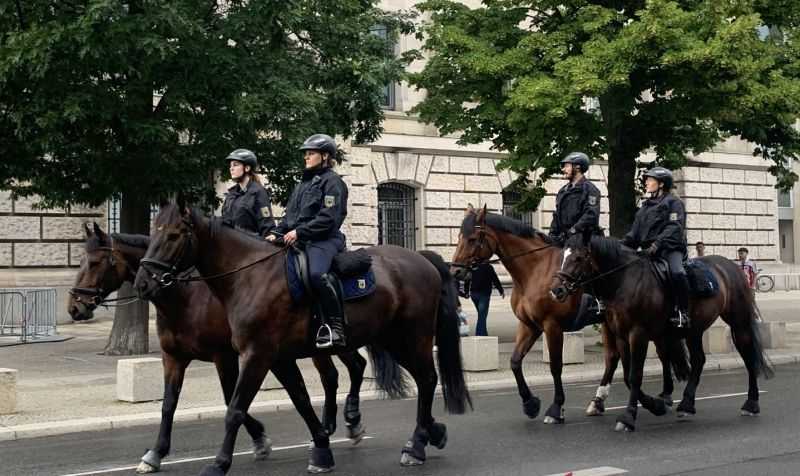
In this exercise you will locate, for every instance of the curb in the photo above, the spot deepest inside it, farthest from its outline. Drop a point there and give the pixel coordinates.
(37, 430)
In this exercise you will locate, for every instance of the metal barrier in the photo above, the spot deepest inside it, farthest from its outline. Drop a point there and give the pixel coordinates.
(29, 313)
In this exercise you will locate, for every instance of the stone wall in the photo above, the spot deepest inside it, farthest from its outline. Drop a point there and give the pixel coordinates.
(31, 237)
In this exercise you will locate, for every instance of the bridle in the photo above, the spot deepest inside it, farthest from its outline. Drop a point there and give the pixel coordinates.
(93, 297)
(572, 283)
(475, 262)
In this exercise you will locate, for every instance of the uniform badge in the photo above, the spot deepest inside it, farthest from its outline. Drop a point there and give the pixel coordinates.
(673, 216)
(362, 284)
(265, 212)
(330, 201)
(592, 200)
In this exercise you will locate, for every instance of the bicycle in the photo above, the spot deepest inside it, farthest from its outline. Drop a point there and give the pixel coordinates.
(764, 282)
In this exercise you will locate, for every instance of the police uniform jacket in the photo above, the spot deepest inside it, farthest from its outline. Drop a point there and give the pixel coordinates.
(577, 209)
(317, 207)
(660, 220)
(249, 209)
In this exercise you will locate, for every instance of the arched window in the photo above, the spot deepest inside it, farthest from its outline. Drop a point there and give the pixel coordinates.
(510, 201)
(396, 220)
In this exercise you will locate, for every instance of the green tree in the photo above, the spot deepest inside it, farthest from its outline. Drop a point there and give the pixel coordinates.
(540, 78)
(139, 99)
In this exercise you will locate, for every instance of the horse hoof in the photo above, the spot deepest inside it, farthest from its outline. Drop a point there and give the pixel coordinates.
(548, 420)
(321, 460)
(685, 410)
(659, 407)
(554, 415)
(262, 447)
(596, 407)
(212, 470)
(621, 427)
(684, 415)
(146, 468)
(356, 433)
(531, 407)
(151, 463)
(667, 399)
(438, 435)
(750, 408)
(409, 460)
(313, 469)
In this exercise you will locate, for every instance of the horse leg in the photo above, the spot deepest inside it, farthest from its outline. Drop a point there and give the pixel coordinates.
(321, 459)
(668, 385)
(526, 336)
(330, 384)
(174, 371)
(597, 404)
(356, 364)
(228, 371)
(555, 344)
(743, 339)
(635, 352)
(697, 358)
(254, 369)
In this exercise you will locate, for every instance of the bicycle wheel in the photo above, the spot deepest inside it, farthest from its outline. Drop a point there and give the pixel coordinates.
(765, 284)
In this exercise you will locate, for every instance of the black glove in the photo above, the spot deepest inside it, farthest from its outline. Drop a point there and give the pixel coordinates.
(653, 249)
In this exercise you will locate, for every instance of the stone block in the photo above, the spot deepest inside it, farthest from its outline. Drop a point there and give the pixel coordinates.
(480, 353)
(363, 235)
(693, 205)
(449, 182)
(571, 351)
(445, 252)
(755, 177)
(756, 207)
(773, 334)
(360, 156)
(362, 215)
(696, 189)
(20, 228)
(732, 176)
(548, 203)
(493, 200)
(63, 228)
(698, 221)
(379, 169)
(29, 205)
(712, 205)
(5, 202)
(391, 165)
(76, 253)
(5, 254)
(486, 167)
(693, 236)
(505, 178)
(459, 200)
(441, 163)
(464, 165)
(41, 254)
(362, 175)
(140, 380)
(736, 206)
(713, 237)
(746, 222)
(444, 217)
(758, 237)
(767, 223)
(723, 221)
(735, 237)
(424, 168)
(407, 166)
(80, 209)
(363, 195)
(437, 236)
(721, 190)
(717, 340)
(748, 192)
(766, 193)
(482, 183)
(8, 391)
(455, 234)
(689, 174)
(437, 199)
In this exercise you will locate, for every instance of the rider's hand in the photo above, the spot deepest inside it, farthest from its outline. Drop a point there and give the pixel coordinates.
(270, 238)
(653, 249)
(290, 237)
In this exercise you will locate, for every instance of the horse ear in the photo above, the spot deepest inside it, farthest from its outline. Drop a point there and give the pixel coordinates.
(469, 209)
(482, 215)
(87, 230)
(181, 201)
(97, 230)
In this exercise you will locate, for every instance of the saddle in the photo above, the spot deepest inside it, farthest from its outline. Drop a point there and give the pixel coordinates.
(702, 282)
(353, 270)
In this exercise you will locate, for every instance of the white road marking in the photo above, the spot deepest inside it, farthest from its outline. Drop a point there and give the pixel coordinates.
(599, 471)
(203, 458)
(711, 397)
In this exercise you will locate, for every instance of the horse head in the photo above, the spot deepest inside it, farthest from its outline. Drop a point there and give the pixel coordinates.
(98, 276)
(576, 264)
(477, 243)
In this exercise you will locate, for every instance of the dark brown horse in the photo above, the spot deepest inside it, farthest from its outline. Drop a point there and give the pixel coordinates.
(532, 259)
(191, 326)
(639, 310)
(412, 309)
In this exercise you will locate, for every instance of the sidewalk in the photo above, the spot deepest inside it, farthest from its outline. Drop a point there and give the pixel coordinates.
(66, 387)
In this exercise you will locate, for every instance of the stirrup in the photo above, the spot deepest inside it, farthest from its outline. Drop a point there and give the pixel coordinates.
(682, 320)
(321, 341)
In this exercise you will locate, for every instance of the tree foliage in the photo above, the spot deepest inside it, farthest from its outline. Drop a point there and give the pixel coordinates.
(540, 78)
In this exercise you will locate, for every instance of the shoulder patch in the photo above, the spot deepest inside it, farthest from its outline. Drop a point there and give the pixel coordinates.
(265, 212)
(673, 216)
(330, 201)
(592, 200)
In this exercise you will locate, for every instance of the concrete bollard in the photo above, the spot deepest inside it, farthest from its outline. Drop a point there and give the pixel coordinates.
(572, 350)
(8, 391)
(717, 340)
(773, 334)
(140, 380)
(480, 353)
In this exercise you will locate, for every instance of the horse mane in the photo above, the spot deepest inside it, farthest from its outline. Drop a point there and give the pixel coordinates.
(609, 251)
(502, 223)
(215, 224)
(134, 241)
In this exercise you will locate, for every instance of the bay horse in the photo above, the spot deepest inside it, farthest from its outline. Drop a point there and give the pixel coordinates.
(531, 259)
(413, 308)
(192, 325)
(639, 309)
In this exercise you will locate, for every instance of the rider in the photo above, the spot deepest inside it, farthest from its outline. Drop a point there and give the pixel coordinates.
(659, 229)
(247, 203)
(313, 216)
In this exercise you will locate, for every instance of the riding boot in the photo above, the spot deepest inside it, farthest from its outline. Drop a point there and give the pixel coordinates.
(331, 333)
(681, 288)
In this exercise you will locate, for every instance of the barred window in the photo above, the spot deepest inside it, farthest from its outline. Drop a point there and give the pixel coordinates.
(396, 215)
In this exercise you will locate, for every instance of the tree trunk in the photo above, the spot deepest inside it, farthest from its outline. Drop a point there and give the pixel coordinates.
(622, 153)
(129, 334)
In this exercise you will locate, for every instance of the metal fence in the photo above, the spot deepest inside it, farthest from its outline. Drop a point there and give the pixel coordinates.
(28, 313)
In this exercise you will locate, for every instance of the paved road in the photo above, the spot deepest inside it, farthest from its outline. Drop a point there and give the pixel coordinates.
(493, 440)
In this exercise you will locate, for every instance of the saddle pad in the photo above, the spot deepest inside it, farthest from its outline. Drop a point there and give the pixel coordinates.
(702, 282)
(354, 287)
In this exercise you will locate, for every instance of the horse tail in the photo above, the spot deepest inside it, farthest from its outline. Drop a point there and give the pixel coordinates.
(678, 357)
(762, 364)
(389, 377)
(448, 341)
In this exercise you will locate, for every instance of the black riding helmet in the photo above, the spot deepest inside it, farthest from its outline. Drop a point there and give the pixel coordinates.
(247, 157)
(662, 175)
(578, 159)
(321, 142)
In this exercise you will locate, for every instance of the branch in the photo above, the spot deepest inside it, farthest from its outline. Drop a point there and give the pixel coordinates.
(19, 15)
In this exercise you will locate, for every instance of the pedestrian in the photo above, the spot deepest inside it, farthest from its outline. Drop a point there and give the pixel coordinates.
(483, 278)
(748, 268)
(247, 204)
(700, 248)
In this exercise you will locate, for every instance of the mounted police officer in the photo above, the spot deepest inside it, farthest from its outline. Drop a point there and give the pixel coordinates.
(659, 229)
(577, 203)
(247, 204)
(315, 212)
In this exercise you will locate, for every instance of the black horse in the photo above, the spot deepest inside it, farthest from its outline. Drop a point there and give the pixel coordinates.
(639, 309)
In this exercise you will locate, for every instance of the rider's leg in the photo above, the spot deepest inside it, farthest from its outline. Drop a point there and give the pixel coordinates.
(320, 257)
(680, 285)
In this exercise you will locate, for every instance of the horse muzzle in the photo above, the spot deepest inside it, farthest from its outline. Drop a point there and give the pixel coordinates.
(79, 311)
(559, 293)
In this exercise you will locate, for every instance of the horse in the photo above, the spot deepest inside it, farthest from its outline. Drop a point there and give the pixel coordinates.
(413, 307)
(531, 258)
(639, 308)
(192, 325)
